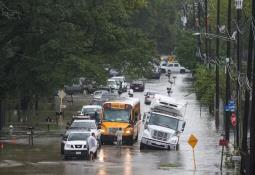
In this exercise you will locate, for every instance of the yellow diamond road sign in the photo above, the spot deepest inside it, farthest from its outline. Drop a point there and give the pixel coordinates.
(192, 141)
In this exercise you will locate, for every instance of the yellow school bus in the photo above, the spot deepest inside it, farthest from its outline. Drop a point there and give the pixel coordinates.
(124, 114)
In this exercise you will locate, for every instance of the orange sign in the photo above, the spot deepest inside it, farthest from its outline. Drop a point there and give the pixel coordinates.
(192, 141)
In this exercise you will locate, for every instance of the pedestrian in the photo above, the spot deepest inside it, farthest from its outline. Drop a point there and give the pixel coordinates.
(92, 146)
(131, 92)
(96, 117)
(119, 137)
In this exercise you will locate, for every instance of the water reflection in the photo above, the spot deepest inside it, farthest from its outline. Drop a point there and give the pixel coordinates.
(128, 163)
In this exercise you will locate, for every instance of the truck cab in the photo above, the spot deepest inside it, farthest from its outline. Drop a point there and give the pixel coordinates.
(163, 125)
(161, 131)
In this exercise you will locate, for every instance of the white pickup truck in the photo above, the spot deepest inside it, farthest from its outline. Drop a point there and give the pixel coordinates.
(173, 67)
(163, 125)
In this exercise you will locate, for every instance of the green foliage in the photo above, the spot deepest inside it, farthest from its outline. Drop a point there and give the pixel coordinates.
(204, 85)
(44, 44)
(185, 50)
(157, 19)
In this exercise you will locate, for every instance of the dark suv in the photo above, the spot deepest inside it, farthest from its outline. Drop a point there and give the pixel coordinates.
(137, 85)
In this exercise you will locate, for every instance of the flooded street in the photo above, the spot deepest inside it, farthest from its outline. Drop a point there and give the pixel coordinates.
(46, 159)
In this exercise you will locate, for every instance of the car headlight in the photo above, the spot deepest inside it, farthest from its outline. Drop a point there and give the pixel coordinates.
(68, 146)
(146, 133)
(174, 140)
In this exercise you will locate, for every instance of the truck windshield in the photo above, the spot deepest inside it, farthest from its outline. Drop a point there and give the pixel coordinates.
(161, 120)
(117, 115)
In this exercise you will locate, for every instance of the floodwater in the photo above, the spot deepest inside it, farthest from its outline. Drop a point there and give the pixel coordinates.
(44, 157)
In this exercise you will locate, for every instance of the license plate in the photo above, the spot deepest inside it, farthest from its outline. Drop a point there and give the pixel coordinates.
(136, 87)
(78, 153)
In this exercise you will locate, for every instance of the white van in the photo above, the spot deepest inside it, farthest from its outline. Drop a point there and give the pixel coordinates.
(111, 83)
(122, 80)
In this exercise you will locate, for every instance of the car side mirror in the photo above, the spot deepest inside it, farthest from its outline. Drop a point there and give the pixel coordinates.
(181, 126)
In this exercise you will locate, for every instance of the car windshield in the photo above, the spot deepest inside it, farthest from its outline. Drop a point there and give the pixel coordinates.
(98, 92)
(111, 82)
(161, 120)
(117, 115)
(78, 136)
(119, 79)
(83, 125)
(89, 110)
(151, 93)
(137, 82)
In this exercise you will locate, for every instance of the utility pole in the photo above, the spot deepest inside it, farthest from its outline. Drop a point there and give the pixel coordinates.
(252, 120)
(206, 31)
(227, 113)
(217, 88)
(238, 73)
(244, 148)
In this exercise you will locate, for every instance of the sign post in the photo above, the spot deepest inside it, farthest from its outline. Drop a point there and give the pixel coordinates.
(61, 94)
(193, 142)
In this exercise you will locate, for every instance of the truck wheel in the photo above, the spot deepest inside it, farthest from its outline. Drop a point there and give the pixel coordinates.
(142, 146)
(177, 147)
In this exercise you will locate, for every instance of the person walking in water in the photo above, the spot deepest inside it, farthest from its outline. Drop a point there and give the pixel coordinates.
(92, 146)
(119, 137)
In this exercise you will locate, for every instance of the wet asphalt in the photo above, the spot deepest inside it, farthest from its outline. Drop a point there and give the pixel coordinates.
(46, 159)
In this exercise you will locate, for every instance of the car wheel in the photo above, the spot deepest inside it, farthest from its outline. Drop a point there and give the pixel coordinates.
(182, 71)
(130, 141)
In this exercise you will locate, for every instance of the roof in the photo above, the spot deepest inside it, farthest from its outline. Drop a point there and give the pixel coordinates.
(165, 104)
(130, 101)
(92, 106)
(87, 121)
(79, 131)
(117, 77)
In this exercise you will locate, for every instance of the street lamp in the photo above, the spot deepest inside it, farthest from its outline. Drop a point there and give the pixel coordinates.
(211, 36)
(239, 4)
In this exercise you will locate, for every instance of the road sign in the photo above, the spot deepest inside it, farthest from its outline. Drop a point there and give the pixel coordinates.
(192, 141)
(223, 142)
(230, 107)
(61, 94)
(231, 102)
(233, 119)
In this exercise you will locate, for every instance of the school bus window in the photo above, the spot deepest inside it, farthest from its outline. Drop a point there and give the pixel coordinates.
(117, 115)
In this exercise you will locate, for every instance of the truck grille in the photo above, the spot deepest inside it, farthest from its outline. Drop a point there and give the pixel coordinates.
(112, 130)
(159, 135)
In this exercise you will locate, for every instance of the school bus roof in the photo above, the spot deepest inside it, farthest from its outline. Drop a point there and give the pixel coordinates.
(130, 101)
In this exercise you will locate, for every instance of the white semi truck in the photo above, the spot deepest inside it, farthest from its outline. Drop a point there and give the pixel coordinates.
(163, 125)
